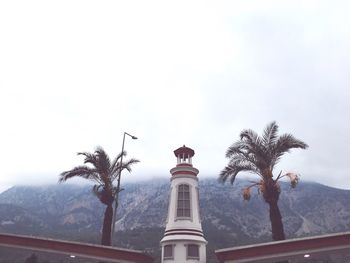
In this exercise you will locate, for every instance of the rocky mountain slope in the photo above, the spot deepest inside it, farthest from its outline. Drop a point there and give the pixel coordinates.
(73, 212)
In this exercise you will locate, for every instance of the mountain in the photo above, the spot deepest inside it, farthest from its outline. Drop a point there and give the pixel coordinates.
(73, 212)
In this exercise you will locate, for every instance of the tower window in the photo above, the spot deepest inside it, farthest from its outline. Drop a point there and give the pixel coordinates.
(183, 201)
(168, 251)
(193, 251)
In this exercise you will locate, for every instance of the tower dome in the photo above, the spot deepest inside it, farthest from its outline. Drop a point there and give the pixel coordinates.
(183, 239)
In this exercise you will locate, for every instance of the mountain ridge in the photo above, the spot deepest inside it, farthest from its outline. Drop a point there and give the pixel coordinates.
(72, 212)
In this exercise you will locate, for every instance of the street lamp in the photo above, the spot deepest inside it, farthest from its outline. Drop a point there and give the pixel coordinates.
(118, 183)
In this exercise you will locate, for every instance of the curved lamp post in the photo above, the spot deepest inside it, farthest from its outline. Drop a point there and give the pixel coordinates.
(118, 184)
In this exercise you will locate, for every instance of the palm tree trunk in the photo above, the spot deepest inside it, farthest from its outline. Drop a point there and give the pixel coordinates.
(107, 225)
(276, 221)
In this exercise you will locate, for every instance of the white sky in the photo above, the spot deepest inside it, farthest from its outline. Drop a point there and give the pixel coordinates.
(77, 74)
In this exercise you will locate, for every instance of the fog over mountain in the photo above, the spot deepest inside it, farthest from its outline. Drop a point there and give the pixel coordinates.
(72, 212)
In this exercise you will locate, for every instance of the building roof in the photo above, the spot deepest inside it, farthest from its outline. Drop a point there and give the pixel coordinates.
(112, 254)
(286, 249)
(184, 151)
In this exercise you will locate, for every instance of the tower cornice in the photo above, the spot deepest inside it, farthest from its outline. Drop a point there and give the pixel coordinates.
(184, 170)
(182, 175)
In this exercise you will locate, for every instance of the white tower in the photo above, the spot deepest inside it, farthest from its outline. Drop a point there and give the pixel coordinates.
(183, 240)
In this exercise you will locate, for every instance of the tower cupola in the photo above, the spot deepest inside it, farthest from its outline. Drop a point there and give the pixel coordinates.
(184, 155)
(184, 165)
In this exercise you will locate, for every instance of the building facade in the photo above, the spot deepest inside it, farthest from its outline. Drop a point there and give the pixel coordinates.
(183, 239)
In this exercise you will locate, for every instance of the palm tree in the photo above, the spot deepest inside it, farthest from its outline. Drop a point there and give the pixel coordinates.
(259, 155)
(103, 172)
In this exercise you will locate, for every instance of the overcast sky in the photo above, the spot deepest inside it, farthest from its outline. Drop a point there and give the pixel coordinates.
(77, 74)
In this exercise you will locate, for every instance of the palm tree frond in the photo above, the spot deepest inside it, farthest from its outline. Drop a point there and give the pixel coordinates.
(253, 145)
(250, 135)
(126, 165)
(104, 162)
(116, 160)
(228, 172)
(270, 135)
(231, 171)
(89, 158)
(234, 149)
(286, 142)
(79, 171)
